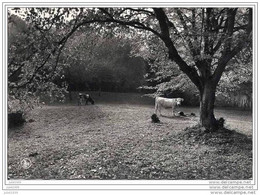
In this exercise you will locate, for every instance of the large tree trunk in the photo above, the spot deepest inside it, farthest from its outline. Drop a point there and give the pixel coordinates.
(207, 100)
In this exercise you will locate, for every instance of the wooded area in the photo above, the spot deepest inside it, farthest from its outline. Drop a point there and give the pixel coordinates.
(197, 52)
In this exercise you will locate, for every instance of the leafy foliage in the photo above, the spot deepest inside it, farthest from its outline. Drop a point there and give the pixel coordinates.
(95, 61)
(238, 77)
(163, 77)
(31, 65)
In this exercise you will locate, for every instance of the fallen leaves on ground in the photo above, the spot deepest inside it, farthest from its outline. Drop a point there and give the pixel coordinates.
(120, 142)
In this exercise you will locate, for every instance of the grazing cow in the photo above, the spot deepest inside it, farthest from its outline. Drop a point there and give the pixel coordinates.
(167, 103)
(85, 98)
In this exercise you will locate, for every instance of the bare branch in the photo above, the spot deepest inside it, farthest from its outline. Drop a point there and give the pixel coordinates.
(141, 10)
(194, 52)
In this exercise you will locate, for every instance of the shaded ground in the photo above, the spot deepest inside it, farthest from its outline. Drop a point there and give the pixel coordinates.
(109, 141)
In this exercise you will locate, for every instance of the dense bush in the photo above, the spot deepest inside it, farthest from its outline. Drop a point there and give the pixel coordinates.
(15, 119)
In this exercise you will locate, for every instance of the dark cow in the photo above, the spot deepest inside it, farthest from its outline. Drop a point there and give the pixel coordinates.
(85, 98)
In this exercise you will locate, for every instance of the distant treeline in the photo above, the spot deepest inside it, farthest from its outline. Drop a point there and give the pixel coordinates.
(96, 63)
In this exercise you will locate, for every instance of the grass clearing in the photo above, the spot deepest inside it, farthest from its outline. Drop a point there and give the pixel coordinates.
(118, 141)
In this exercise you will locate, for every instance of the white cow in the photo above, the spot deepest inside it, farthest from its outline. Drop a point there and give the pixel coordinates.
(167, 103)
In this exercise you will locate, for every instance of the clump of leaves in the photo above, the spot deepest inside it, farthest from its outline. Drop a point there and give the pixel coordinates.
(15, 119)
(221, 138)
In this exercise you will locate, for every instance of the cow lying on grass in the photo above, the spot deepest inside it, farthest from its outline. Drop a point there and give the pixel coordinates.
(85, 98)
(161, 102)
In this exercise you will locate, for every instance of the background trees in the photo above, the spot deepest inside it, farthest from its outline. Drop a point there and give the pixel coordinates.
(236, 81)
(101, 63)
(31, 65)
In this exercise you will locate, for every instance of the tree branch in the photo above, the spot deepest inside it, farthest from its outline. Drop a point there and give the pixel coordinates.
(142, 10)
(207, 31)
(228, 54)
(194, 52)
(173, 53)
(34, 73)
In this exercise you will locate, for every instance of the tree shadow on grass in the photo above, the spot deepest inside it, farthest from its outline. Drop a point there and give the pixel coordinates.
(224, 140)
(178, 117)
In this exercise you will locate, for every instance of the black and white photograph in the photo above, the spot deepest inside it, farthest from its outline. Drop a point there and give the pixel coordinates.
(138, 93)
